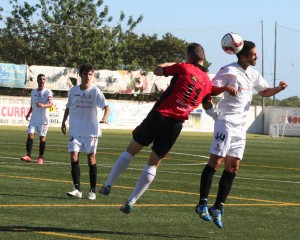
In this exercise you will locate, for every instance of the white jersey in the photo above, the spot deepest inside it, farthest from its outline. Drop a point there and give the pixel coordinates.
(235, 109)
(40, 116)
(84, 111)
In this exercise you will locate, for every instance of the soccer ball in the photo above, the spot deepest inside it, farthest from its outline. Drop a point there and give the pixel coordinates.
(232, 43)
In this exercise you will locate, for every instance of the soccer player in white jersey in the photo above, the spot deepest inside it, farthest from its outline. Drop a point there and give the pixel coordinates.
(41, 100)
(84, 106)
(230, 116)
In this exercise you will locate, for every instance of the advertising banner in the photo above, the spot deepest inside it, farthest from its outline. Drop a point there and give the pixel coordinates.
(57, 78)
(286, 118)
(12, 75)
(14, 109)
(123, 114)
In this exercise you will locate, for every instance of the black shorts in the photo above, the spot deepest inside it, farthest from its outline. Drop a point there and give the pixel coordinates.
(159, 129)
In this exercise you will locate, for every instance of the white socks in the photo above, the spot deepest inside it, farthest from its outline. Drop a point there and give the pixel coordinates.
(121, 164)
(144, 180)
(143, 183)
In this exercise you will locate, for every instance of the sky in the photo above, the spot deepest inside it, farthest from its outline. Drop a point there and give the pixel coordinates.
(206, 22)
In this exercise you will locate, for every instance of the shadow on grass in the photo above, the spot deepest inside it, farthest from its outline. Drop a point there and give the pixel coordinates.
(78, 231)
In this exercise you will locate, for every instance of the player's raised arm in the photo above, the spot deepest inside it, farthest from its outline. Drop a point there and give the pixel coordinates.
(158, 71)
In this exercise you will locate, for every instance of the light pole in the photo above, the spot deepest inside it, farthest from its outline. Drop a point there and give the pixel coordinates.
(275, 56)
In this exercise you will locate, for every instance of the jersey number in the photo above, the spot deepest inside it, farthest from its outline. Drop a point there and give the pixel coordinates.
(189, 92)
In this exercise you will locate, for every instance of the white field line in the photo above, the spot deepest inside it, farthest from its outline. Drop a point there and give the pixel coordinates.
(160, 171)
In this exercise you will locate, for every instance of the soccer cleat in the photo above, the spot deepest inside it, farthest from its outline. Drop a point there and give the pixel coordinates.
(126, 208)
(40, 160)
(75, 194)
(92, 195)
(217, 216)
(105, 190)
(26, 158)
(202, 211)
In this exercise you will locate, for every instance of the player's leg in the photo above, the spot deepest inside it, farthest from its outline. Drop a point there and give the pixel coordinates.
(29, 144)
(237, 136)
(205, 185)
(91, 147)
(218, 149)
(120, 165)
(163, 142)
(231, 165)
(42, 130)
(74, 147)
(144, 181)
(225, 184)
(142, 135)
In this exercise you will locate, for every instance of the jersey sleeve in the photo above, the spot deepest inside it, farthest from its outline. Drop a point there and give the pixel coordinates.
(261, 84)
(173, 70)
(224, 77)
(101, 101)
(69, 98)
(50, 96)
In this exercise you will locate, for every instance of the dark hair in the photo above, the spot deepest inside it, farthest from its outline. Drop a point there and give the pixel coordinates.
(196, 52)
(86, 68)
(40, 76)
(248, 45)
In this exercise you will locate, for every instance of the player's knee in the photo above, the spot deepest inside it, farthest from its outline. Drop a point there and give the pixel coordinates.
(215, 161)
(232, 169)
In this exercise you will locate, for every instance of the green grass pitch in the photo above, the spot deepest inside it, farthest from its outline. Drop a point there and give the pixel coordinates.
(264, 202)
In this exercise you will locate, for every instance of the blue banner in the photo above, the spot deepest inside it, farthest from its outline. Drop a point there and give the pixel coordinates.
(12, 75)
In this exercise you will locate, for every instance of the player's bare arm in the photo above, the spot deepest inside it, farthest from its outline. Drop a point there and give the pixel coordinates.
(28, 114)
(44, 105)
(105, 115)
(158, 71)
(272, 91)
(207, 105)
(63, 123)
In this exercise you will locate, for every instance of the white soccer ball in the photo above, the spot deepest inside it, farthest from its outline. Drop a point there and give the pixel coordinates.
(232, 43)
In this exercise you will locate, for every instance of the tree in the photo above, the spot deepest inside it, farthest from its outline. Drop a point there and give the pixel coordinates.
(257, 100)
(70, 32)
(288, 102)
(67, 32)
(293, 101)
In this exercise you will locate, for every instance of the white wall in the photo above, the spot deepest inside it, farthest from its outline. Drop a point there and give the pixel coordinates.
(287, 119)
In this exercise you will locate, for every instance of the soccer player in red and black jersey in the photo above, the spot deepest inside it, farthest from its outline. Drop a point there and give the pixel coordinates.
(189, 87)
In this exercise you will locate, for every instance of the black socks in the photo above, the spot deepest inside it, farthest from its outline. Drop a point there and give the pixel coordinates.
(93, 176)
(206, 181)
(225, 185)
(76, 175)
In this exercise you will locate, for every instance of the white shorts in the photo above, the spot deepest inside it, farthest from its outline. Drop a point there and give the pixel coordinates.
(40, 129)
(83, 144)
(229, 139)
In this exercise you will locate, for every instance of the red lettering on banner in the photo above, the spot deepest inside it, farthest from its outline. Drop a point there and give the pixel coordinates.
(24, 111)
(14, 111)
(9, 112)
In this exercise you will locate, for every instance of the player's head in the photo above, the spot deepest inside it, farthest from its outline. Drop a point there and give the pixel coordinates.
(86, 73)
(85, 68)
(248, 54)
(41, 79)
(195, 53)
(40, 76)
(248, 45)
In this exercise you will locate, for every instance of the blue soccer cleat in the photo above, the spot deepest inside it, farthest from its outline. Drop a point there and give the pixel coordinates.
(217, 216)
(126, 208)
(105, 190)
(202, 211)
